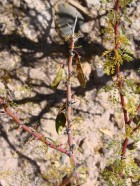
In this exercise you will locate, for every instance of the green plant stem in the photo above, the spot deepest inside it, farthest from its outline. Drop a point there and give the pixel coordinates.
(30, 130)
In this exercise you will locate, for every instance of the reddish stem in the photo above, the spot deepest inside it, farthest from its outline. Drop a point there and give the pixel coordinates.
(66, 181)
(69, 100)
(32, 131)
(125, 143)
(120, 81)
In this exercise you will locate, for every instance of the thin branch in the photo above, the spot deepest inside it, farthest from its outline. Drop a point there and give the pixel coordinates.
(125, 143)
(30, 130)
(74, 26)
(66, 181)
(69, 94)
(120, 81)
(120, 85)
(136, 128)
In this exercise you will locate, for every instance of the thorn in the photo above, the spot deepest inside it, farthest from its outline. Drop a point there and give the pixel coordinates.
(74, 26)
(67, 131)
(69, 103)
(71, 52)
(69, 25)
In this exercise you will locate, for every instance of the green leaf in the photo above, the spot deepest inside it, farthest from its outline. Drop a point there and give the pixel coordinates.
(118, 57)
(137, 90)
(57, 79)
(80, 75)
(60, 122)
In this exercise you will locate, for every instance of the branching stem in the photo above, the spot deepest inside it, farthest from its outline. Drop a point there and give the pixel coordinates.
(69, 92)
(30, 130)
(120, 81)
(120, 85)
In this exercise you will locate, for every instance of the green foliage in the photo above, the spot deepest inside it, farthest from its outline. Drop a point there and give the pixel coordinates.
(111, 174)
(119, 169)
(120, 166)
(113, 17)
(129, 131)
(42, 148)
(126, 54)
(57, 79)
(109, 32)
(130, 89)
(109, 65)
(123, 41)
(3, 92)
(112, 58)
(124, 3)
(112, 90)
(60, 122)
(130, 168)
(115, 57)
(62, 170)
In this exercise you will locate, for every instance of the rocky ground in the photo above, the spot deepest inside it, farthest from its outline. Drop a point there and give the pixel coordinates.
(32, 48)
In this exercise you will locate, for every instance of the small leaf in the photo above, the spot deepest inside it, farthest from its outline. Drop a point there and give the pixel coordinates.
(57, 79)
(118, 57)
(60, 122)
(106, 52)
(67, 37)
(80, 75)
(137, 90)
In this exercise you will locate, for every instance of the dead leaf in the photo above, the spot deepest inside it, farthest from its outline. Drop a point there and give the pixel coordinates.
(80, 74)
(107, 132)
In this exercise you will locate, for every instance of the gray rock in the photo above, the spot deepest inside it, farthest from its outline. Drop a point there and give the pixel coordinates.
(91, 3)
(66, 14)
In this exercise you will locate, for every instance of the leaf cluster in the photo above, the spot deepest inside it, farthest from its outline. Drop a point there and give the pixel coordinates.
(130, 90)
(113, 58)
(119, 171)
(112, 90)
(124, 3)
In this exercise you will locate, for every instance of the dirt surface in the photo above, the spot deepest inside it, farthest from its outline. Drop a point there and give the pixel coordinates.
(32, 48)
